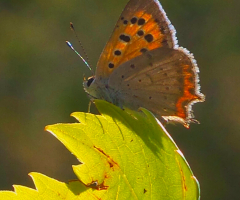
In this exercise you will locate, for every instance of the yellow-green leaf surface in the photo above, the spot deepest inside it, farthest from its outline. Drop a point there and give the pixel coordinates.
(47, 189)
(123, 155)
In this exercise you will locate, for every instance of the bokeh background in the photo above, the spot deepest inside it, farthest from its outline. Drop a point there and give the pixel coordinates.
(41, 84)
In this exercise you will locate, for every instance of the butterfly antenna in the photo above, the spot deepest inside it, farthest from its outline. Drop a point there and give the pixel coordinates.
(70, 45)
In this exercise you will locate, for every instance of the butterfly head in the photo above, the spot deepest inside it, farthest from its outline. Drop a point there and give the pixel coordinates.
(87, 83)
(98, 89)
(89, 86)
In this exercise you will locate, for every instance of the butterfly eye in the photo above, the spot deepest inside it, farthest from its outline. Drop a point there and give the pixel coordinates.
(89, 81)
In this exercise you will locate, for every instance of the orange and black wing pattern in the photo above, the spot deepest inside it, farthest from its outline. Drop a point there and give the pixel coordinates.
(142, 26)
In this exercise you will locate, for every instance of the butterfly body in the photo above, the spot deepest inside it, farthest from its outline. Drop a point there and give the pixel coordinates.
(142, 66)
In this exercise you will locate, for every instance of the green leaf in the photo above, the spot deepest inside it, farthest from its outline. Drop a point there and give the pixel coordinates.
(122, 154)
(47, 189)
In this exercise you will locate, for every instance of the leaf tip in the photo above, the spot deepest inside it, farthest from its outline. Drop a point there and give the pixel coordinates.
(48, 128)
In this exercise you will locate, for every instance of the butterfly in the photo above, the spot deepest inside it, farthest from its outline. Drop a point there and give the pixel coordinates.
(143, 66)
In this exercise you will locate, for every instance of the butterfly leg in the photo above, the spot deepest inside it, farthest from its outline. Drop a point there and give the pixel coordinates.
(89, 106)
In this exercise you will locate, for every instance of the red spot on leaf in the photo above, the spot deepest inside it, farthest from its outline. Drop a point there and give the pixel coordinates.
(110, 161)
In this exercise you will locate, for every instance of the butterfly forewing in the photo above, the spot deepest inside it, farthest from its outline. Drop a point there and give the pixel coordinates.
(142, 26)
(162, 80)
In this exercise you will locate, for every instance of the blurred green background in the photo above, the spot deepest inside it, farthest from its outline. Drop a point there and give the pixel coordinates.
(41, 84)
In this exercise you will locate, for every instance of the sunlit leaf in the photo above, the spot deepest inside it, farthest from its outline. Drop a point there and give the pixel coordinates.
(122, 155)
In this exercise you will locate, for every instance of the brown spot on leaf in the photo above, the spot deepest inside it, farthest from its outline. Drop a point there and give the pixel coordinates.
(97, 186)
(110, 161)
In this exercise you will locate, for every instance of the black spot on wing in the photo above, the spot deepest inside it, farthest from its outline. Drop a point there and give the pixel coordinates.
(111, 65)
(133, 20)
(132, 66)
(143, 50)
(124, 38)
(117, 53)
(141, 21)
(125, 22)
(140, 33)
(148, 38)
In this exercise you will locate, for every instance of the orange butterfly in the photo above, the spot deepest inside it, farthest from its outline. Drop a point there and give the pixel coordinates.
(142, 66)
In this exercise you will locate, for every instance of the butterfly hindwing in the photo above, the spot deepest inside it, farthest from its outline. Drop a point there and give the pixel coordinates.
(142, 26)
(163, 80)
